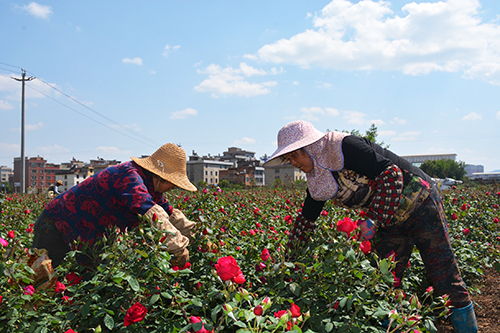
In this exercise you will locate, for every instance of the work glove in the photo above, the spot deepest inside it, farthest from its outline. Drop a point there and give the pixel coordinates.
(180, 258)
(182, 223)
(367, 229)
(299, 236)
(175, 241)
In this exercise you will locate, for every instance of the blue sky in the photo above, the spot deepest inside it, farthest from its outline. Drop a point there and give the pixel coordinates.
(119, 78)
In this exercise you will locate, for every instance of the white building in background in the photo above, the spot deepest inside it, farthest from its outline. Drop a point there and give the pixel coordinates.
(486, 176)
(73, 176)
(200, 169)
(5, 174)
(285, 174)
(417, 160)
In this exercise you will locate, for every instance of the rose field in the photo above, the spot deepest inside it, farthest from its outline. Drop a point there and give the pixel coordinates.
(240, 277)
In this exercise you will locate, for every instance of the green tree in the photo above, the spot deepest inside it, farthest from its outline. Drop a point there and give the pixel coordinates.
(370, 134)
(444, 169)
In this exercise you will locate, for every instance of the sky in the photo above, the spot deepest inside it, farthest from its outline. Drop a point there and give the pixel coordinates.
(115, 79)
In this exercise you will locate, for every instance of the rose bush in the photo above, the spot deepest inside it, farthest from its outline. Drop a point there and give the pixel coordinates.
(238, 278)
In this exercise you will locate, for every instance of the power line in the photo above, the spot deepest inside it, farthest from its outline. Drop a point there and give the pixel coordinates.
(142, 137)
(87, 116)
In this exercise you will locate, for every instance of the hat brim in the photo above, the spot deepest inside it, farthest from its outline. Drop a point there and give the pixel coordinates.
(273, 160)
(177, 179)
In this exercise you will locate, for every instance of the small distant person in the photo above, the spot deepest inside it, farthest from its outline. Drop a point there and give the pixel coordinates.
(402, 204)
(117, 197)
(54, 189)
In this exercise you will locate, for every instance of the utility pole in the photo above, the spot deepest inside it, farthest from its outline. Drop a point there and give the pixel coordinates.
(23, 79)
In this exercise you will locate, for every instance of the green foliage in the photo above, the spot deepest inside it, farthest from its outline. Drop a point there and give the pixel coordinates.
(337, 287)
(444, 169)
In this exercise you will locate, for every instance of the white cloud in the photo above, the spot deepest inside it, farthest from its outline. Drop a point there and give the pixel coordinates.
(168, 49)
(398, 121)
(387, 133)
(472, 116)
(407, 136)
(354, 117)
(9, 147)
(182, 114)
(446, 36)
(34, 88)
(5, 105)
(34, 127)
(245, 141)
(113, 150)
(134, 61)
(233, 81)
(127, 127)
(53, 149)
(315, 113)
(498, 115)
(37, 10)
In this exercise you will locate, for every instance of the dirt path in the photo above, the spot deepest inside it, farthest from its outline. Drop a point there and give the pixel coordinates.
(487, 306)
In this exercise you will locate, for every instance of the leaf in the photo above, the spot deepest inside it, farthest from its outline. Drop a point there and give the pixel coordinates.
(296, 289)
(240, 324)
(384, 266)
(154, 299)
(142, 253)
(328, 327)
(133, 283)
(109, 322)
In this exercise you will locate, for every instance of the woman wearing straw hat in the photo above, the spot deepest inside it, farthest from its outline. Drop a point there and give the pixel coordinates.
(116, 197)
(400, 202)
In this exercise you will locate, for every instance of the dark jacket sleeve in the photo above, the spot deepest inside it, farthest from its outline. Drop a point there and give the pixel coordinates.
(312, 208)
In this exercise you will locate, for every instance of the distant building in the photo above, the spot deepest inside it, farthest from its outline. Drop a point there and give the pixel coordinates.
(285, 174)
(470, 169)
(246, 175)
(205, 169)
(486, 176)
(39, 174)
(6, 174)
(100, 164)
(418, 160)
(73, 176)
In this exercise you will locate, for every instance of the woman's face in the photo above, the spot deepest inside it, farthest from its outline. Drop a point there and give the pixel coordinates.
(300, 159)
(162, 185)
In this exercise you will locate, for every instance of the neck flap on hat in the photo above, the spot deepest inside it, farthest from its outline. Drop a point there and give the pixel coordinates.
(327, 156)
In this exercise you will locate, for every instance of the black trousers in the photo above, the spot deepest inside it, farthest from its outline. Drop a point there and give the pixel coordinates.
(46, 236)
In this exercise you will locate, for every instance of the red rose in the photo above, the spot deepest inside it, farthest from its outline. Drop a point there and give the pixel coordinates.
(264, 255)
(324, 213)
(228, 269)
(466, 231)
(70, 331)
(346, 225)
(454, 216)
(1, 299)
(134, 314)
(280, 314)
(295, 310)
(11, 234)
(258, 310)
(73, 279)
(365, 246)
(60, 287)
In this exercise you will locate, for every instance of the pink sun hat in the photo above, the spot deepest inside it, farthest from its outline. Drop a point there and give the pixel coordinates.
(293, 136)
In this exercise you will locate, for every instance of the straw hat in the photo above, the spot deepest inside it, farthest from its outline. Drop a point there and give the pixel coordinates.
(59, 182)
(169, 163)
(293, 136)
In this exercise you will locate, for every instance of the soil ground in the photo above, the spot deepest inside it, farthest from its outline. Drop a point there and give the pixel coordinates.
(487, 306)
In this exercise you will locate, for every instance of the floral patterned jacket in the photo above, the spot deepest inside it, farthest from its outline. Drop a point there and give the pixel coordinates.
(112, 197)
